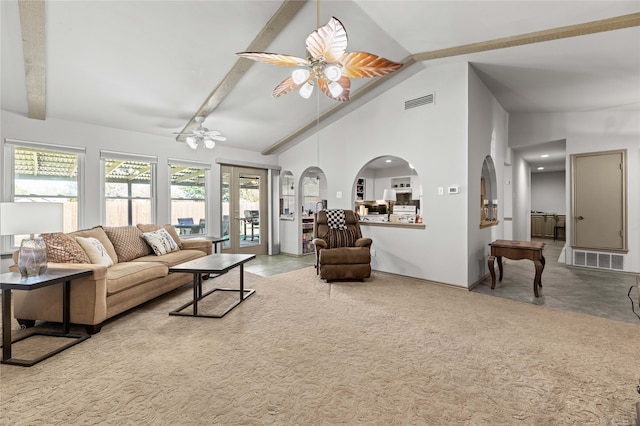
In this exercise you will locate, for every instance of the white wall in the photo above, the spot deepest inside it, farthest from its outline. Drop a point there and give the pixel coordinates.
(434, 139)
(488, 130)
(548, 192)
(95, 138)
(590, 132)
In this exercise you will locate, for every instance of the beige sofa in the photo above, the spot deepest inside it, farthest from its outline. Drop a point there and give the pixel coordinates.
(136, 276)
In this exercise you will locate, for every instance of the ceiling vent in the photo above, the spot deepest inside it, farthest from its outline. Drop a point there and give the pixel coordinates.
(423, 100)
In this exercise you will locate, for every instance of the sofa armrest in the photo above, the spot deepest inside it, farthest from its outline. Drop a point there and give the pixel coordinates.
(363, 242)
(88, 298)
(202, 245)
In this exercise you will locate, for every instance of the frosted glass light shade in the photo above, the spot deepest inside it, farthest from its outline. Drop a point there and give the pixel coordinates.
(300, 75)
(209, 143)
(335, 89)
(306, 90)
(192, 142)
(333, 73)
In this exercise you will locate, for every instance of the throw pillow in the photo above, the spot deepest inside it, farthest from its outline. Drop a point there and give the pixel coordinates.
(95, 250)
(127, 242)
(341, 238)
(160, 241)
(61, 248)
(98, 233)
(169, 228)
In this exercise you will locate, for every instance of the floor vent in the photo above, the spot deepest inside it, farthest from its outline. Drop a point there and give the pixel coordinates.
(423, 100)
(598, 260)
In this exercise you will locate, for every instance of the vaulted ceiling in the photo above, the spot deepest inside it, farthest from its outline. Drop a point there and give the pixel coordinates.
(152, 66)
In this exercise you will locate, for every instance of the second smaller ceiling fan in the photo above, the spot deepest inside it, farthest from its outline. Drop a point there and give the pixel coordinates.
(202, 135)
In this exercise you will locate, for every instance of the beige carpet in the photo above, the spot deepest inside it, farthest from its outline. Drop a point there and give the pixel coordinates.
(390, 351)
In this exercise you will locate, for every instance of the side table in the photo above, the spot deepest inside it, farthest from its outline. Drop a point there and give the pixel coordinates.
(14, 281)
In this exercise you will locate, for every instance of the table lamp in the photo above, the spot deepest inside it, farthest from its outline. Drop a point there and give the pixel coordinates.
(389, 195)
(31, 218)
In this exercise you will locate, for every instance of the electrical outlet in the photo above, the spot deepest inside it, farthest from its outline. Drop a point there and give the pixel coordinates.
(373, 252)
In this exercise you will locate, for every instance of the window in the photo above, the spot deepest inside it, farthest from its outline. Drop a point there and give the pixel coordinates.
(128, 188)
(41, 173)
(188, 196)
(287, 195)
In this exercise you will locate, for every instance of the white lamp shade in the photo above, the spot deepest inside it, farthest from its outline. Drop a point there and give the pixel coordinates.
(31, 218)
(389, 195)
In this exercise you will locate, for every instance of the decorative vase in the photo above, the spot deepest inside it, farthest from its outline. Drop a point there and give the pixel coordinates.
(32, 258)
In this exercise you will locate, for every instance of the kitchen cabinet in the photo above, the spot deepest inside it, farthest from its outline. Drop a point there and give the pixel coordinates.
(542, 224)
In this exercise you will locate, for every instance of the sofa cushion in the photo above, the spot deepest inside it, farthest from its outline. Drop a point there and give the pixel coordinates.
(169, 228)
(127, 242)
(95, 250)
(61, 248)
(99, 234)
(125, 275)
(173, 258)
(160, 241)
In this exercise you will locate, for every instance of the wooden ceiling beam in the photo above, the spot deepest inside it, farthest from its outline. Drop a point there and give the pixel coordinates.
(32, 24)
(276, 24)
(592, 27)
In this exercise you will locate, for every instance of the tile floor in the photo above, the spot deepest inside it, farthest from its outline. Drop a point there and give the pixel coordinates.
(585, 290)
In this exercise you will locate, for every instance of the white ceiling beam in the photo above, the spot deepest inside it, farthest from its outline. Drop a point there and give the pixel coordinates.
(32, 24)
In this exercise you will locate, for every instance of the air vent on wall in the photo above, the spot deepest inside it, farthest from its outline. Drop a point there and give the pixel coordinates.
(598, 260)
(423, 100)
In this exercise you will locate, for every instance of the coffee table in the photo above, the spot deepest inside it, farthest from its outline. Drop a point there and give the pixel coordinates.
(14, 281)
(213, 266)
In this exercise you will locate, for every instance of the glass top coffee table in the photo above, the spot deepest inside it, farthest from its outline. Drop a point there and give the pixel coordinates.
(213, 265)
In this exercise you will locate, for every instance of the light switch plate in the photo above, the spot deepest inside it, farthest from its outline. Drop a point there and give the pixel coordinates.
(440, 190)
(339, 194)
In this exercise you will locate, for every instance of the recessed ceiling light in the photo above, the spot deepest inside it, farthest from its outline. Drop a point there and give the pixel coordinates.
(387, 161)
(540, 168)
(544, 155)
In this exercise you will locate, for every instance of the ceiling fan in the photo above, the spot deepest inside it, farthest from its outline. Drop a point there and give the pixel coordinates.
(328, 65)
(201, 135)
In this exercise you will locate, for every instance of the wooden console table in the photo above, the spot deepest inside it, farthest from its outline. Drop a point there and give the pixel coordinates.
(517, 250)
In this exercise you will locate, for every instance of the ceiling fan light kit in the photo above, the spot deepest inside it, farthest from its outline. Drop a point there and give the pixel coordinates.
(328, 65)
(202, 135)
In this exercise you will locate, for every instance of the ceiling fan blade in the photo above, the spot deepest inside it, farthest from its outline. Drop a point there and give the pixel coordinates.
(328, 42)
(219, 138)
(286, 86)
(363, 64)
(275, 58)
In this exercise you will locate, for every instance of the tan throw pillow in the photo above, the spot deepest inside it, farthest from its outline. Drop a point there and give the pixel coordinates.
(99, 234)
(160, 241)
(127, 242)
(61, 248)
(168, 227)
(95, 250)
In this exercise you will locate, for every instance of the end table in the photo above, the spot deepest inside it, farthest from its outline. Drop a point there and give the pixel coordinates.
(14, 281)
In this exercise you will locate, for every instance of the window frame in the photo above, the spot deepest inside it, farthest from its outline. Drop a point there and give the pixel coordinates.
(8, 148)
(207, 174)
(139, 158)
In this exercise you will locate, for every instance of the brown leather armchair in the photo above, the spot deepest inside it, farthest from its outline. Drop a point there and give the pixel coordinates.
(341, 255)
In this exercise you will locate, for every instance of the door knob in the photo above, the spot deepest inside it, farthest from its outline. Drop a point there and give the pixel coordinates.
(580, 218)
